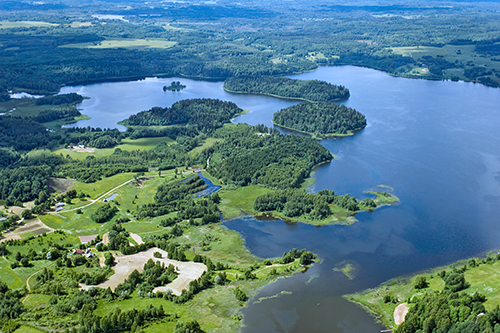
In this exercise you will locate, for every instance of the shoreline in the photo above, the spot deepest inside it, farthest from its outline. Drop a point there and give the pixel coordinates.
(326, 136)
(299, 99)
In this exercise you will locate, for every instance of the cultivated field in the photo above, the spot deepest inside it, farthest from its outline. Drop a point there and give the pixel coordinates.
(25, 24)
(125, 43)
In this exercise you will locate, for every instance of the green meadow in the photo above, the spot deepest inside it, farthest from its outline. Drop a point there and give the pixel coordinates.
(127, 43)
(25, 24)
(484, 278)
(126, 144)
(240, 201)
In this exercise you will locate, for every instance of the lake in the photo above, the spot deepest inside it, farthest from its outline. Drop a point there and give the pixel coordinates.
(436, 143)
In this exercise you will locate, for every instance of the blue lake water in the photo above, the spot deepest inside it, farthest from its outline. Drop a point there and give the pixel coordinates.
(112, 197)
(436, 143)
(211, 188)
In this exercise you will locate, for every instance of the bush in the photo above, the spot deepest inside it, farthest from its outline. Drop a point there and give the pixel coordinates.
(420, 282)
(240, 295)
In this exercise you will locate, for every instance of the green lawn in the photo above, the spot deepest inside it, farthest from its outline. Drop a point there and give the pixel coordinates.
(486, 280)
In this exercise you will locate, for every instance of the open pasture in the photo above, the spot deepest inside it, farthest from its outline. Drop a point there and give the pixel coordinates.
(127, 43)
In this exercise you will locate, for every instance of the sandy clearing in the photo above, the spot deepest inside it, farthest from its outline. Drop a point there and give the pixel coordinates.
(32, 226)
(82, 150)
(105, 239)
(400, 313)
(87, 239)
(188, 271)
(137, 238)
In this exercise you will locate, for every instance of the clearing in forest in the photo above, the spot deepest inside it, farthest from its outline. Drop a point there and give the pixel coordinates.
(188, 271)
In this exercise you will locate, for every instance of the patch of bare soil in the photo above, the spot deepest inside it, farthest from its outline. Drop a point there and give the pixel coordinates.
(61, 185)
(87, 239)
(36, 226)
(82, 150)
(400, 313)
(137, 238)
(105, 239)
(188, 271)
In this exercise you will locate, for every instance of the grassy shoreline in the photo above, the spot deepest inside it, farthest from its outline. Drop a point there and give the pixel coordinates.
(481, 273)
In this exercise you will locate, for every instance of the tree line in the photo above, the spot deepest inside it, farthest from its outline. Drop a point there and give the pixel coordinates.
(260, 155)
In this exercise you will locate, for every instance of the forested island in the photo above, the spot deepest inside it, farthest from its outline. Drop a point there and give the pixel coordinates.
(174, 86)
(320, 119)
(203, 113)
(282, 87)
(457, 298)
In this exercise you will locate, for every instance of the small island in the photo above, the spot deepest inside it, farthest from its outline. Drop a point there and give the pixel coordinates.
(197, 112)
(320, 120)
(174, 86)
(282, 87)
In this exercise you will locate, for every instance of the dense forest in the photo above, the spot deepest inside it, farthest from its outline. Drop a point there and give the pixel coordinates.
(320, 119)
(60, 99)
(202, 113)
(260, 155)
(177, 197)
(25, 134)
(43, 58)
(310, 90)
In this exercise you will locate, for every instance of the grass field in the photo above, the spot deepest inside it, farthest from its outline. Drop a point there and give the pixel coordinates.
(25, 24)
(28, 329)
(484, 279)
(127, 43)
(233, 202)
(207, 143)
(461, 55)
(128, 197)
(225, 246)
(23, 107)
(27, 107)
(127, 144)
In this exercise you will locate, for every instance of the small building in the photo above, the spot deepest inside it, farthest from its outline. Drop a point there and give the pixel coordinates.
(75, 252)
